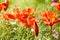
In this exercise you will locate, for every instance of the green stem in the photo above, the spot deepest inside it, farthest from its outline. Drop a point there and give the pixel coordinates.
(51, 30)
(42, 37)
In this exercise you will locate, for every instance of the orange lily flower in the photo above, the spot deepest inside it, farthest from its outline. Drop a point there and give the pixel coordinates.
(4, 5)
(1, 7)
(49, 17)
(57, 6)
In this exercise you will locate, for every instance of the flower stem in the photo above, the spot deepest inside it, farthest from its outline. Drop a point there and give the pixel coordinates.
(51, 31)
(41, 37)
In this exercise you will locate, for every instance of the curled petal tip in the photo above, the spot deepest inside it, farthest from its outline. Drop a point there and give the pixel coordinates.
(36, 30)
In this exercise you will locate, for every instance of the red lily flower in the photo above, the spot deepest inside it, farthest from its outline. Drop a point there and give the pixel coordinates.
(4, 5)
(25, 17)
(49, 17)
(21, 18)
(28, 11)
(30, 21)
(16, 11)
(8, 16)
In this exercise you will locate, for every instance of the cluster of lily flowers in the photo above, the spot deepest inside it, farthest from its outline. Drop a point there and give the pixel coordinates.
(27, 18)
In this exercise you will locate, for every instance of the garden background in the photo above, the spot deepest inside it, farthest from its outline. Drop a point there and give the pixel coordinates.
(9, 31)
